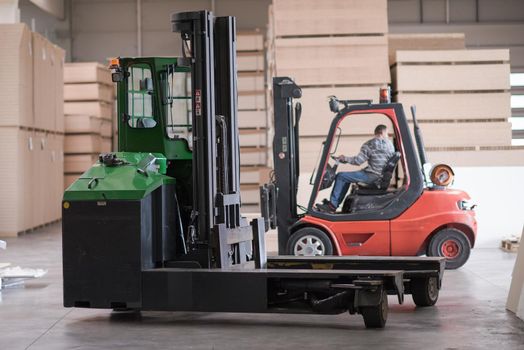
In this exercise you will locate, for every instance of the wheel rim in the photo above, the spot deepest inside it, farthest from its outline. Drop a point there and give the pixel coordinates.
(450, 249)
(309, 245)
(433, 288)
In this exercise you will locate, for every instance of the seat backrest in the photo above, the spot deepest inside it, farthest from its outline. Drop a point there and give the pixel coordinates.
(387, 173)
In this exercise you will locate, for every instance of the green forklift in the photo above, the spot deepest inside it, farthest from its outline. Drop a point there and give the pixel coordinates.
(157, 225)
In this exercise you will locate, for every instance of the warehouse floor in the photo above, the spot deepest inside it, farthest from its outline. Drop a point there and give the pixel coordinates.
(469, 315)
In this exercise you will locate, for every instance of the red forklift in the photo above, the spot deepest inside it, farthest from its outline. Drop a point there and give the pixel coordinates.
(411, 215)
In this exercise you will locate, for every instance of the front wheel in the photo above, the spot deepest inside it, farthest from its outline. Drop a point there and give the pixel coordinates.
(309, 241)
(451, 244)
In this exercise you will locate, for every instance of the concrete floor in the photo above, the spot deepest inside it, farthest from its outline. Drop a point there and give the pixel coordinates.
(469, 315)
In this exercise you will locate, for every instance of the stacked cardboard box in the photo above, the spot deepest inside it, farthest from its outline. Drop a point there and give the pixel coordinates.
(89, 98)
(463, 103)
(329, 48)
(31, 127)
(252, 118)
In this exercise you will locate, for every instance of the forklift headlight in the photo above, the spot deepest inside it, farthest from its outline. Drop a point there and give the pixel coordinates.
(465, 205)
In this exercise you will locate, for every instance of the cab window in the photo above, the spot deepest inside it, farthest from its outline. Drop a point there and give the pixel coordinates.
(140, 97)
(178, 103)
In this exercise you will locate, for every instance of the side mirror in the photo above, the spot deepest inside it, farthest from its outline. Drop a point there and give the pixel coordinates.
(146, 84)
(117, 77)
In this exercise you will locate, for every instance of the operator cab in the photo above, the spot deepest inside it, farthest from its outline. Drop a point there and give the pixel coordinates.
(156, 104)
(351, 131)
(155, 116)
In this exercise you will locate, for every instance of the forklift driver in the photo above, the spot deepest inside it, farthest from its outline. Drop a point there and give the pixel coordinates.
(376, 152)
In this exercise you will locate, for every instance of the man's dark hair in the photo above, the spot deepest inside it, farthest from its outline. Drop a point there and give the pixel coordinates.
(380, 128)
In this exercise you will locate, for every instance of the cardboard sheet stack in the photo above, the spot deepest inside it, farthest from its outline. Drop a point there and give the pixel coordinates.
(329, 48)
(89, 98)
(31, 130)
(252, 118)
(462, 98)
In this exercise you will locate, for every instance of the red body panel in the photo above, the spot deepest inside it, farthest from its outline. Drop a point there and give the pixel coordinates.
(405, 235)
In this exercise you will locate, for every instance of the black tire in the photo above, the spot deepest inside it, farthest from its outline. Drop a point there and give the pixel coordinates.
(424, 291)
(316, 235)
(376, 316)
(458, 243)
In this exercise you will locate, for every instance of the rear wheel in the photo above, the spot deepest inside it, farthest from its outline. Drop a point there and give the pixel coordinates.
(376, 316)
(451, 244)
(424, 291)
(309, 241)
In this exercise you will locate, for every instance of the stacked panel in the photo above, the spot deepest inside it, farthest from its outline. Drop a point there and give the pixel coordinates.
(89, 101)
(31, 130)
(328, 48)
(463, 103)
(252, 118)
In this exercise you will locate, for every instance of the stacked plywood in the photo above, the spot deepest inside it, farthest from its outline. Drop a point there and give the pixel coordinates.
(329, 48)
(252, 120)
(89, 97)
(432, 41)
(31, 127)
(463, 103)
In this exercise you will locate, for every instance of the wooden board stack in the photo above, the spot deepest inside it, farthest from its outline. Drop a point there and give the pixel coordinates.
(31, 130)
(89, 96)
(432, 41)
(463, 102)
(252, 120)
(329, 48)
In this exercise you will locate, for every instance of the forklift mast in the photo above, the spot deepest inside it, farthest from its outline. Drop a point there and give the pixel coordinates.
(196, 30)
(217, 225)
(286, 155)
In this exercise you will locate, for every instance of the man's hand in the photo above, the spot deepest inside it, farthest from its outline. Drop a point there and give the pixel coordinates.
(341, 158)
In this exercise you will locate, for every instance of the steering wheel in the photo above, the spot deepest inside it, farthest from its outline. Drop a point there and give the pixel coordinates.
(329, 174)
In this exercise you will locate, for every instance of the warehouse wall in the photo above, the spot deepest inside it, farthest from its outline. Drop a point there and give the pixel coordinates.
(115, 31)
(103, 28)
(54, 29)
(499, 212)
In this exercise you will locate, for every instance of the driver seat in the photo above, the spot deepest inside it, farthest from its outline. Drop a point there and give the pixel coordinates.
(381, 185)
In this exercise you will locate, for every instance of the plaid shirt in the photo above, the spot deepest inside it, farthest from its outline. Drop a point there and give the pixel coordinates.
(376, 152)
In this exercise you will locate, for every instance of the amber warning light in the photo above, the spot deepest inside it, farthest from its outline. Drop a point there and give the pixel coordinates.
(385, 95)
(114, 63)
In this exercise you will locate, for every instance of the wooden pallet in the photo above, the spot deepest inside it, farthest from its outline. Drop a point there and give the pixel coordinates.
(510, 245)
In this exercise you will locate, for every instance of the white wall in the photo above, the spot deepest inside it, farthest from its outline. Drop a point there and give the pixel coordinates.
(499, 194)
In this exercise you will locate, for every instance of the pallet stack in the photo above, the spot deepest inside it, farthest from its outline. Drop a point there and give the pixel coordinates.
(329, 48)
(463, 104)
(510, 245)
(252, 119)
(89, 99)
(31, 130)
